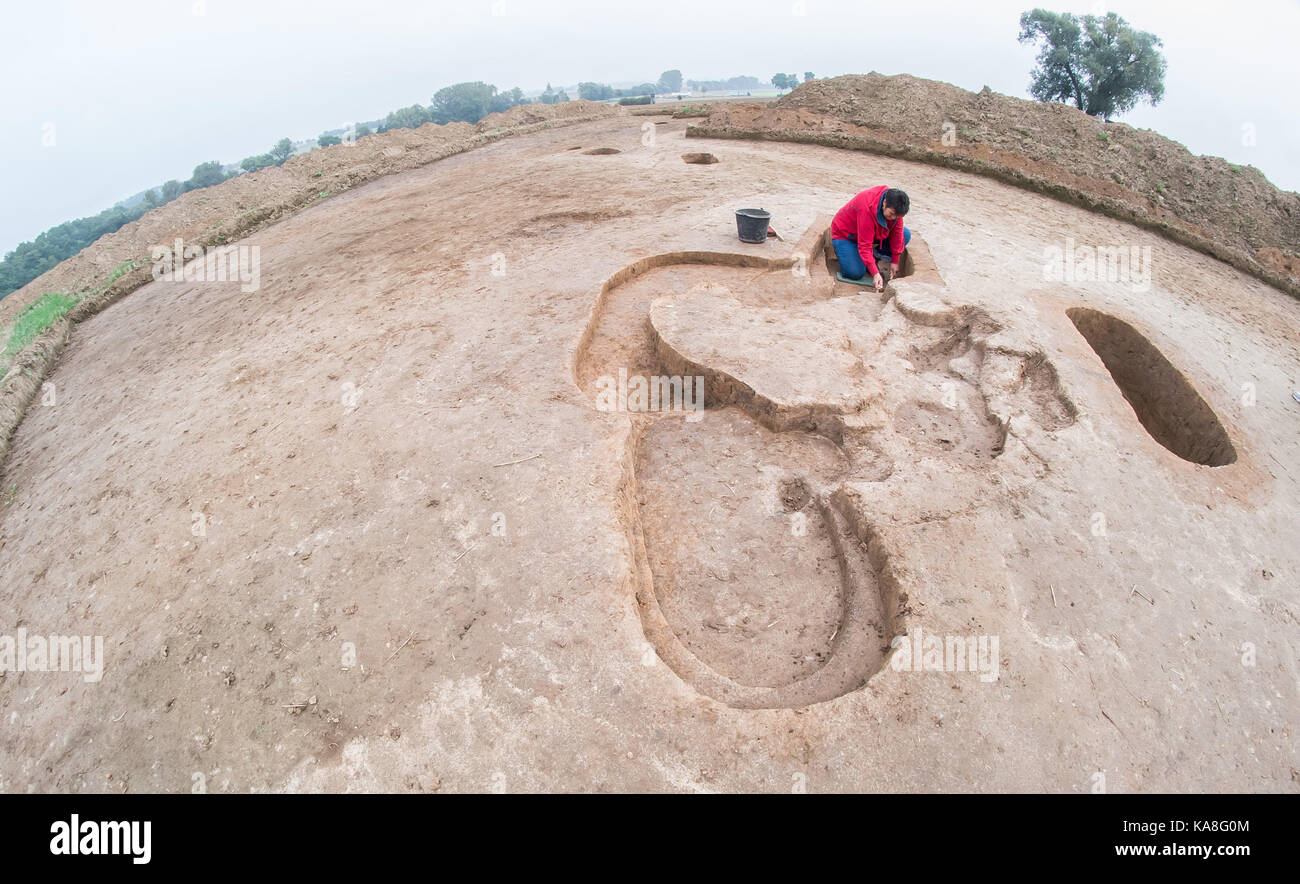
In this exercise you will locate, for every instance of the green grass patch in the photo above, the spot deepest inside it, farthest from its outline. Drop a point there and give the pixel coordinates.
(35, 319)
(122, 270)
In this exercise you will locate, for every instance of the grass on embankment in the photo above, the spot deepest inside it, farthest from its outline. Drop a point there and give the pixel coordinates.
(38, 316)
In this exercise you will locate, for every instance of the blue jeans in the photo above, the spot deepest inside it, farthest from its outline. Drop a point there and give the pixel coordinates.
(851, 264)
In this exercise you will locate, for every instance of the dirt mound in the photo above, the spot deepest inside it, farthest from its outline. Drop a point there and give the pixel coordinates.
(1131, 173)
(526, 114)
(1280, 261)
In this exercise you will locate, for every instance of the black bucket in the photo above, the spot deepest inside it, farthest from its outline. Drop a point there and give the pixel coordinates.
(752, 224)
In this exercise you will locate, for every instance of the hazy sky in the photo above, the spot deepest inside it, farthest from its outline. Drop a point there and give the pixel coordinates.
(134, 92)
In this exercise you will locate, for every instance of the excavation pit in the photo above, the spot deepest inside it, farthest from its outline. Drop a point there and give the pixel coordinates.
(1165, 402)
(915, 261)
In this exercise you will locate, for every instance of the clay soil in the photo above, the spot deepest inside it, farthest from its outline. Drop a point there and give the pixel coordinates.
(365, 528)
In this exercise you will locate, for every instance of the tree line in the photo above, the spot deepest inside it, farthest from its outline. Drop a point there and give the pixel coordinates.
(461, 102)
(465, 102)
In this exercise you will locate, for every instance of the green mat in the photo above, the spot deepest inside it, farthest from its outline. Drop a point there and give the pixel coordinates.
(865, 282)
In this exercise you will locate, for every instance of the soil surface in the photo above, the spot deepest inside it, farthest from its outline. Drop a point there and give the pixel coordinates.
(367, 527)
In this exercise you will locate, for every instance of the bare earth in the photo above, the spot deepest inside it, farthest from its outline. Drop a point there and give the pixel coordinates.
(369, 527)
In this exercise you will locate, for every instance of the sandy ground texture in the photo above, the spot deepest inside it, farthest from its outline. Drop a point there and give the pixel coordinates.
(388, 523)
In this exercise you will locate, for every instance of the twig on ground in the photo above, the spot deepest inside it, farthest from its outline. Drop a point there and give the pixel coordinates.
(402, 645)
(511, 463)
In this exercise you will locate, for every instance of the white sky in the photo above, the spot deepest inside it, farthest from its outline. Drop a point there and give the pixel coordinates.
(139, 91)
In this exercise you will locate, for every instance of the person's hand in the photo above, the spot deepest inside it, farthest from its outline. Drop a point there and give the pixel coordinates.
(893, 269)
(880, 282)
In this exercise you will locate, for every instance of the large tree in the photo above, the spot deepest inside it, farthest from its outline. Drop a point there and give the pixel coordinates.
(412, 117)
(257, 161)
(282, 151)
(463, 102)
(595, 91)
(205, 175)
(503, 101)
(1101, 64)
(670, 81)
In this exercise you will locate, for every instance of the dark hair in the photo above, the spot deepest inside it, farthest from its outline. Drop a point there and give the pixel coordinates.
(897, 200)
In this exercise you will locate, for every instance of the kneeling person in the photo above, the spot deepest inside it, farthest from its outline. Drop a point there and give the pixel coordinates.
(870, 224)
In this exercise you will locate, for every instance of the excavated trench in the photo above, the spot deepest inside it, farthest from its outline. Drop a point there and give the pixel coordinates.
(757, 580)
(1165, 402)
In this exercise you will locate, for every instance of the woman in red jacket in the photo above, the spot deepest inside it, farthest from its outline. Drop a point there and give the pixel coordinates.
(871, 223)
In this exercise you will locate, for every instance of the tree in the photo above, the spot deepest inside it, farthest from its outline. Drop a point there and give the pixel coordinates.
(785, 81)
(255, 162)
(808, 76)
(595, 92)
(670, 81)
(361, 130)
(30, 259)
(1101, 64)
(463, 102)
(328, 140)
(406, 118)
(643, 89)
(205, 175)
(503, 101)
(282, 151)
(550, 96)
(171, 190)
(151, 199)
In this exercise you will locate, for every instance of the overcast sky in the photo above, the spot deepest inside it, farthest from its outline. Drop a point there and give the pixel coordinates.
(134, 92)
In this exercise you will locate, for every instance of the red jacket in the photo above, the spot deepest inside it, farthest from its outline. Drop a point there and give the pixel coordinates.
(858, 221)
